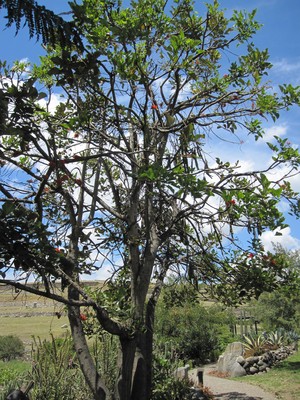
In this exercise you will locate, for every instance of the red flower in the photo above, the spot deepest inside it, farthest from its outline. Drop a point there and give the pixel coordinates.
(230, 203)
(83, 317)
(250, 255)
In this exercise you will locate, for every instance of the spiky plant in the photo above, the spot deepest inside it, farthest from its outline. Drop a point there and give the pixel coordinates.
(254, 344)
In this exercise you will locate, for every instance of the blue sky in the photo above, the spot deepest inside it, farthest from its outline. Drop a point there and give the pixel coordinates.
(280, 33)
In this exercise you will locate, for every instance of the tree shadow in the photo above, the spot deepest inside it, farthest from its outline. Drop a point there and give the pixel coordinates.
(235, 396)
(289, 365)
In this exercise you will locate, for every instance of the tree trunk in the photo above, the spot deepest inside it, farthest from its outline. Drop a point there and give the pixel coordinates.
(134, 382)
(86, 362)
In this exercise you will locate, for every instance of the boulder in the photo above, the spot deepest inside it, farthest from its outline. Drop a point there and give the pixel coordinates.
(228, 364)
(182, 372)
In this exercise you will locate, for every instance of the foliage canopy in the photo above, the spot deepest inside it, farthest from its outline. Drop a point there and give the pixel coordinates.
(120, 173)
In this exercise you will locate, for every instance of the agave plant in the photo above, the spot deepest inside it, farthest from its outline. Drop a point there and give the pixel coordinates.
(292, 338)
(254, 344)
(276, 339)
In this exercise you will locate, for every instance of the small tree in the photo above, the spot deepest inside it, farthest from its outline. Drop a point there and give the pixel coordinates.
(281, 307)
(119, 173)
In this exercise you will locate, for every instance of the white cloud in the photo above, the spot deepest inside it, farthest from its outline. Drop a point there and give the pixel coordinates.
(276, 130)
(102, 274)
(51, 104)
(285, 66)
(286, 239)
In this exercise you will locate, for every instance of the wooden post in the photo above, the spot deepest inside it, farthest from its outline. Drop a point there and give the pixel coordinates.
(200, 375)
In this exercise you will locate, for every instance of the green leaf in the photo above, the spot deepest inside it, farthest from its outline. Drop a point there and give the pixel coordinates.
(8, 207)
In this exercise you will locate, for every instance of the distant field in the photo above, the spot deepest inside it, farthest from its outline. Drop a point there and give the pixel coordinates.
(26, 315)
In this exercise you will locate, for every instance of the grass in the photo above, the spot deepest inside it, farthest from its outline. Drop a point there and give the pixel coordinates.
(26, 327)
(26, 315)
(12, 370)
(283, 380)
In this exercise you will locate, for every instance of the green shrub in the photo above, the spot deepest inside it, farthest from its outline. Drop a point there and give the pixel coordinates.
(192, 332)
(13, 375)
(11, 347)
(165, 385)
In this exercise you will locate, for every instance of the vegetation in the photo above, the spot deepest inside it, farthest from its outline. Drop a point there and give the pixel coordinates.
(41, 22)
(56, 372)
(280, 308)
(192, 333)
(11, 347)
(12, 371)
(119, 173)
(257, 344)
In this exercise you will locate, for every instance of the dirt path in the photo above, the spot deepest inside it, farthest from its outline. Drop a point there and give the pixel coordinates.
(226, 389)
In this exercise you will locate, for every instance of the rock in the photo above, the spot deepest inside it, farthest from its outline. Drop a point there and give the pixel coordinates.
(227, 363)
(237, 370)
(262, 367)
(252, 360)
(246, 365)
(253, 370)
(182, 372)
(241, 360)
(235, 348)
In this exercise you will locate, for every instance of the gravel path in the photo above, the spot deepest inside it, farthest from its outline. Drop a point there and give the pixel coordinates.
(226, 389)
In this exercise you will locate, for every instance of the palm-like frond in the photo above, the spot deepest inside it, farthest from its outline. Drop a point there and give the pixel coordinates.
(42, 23)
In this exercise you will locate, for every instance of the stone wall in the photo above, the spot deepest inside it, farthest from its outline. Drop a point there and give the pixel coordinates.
(233, 363)
(255, 364)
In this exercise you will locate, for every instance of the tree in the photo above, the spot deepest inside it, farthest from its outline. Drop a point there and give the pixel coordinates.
(281, 307)
(42, 23)
(119, 173)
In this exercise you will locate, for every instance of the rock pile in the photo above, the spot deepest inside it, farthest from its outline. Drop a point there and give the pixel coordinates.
(253, 365)
(233, 363)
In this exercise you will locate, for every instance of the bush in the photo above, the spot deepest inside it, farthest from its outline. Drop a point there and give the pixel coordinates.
(11, 347)
(192, 332)
(165, 385)
(105, 352)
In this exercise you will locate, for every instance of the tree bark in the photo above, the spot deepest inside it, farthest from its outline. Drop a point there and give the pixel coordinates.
(134, 382)
(86, 362)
